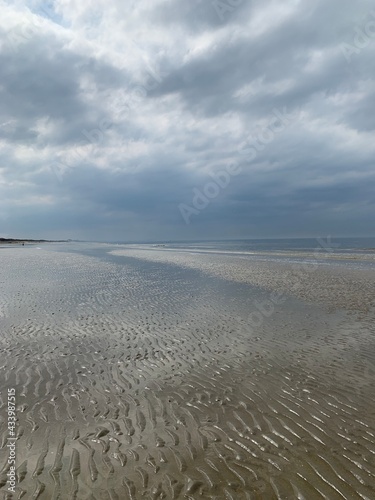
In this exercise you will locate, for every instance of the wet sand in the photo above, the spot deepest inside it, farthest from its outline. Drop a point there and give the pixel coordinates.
(148, 374)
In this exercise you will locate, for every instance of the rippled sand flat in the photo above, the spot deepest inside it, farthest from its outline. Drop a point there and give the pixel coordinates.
(139, 375)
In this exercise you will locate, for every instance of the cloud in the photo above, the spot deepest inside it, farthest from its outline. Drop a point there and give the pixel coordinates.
(112, 115)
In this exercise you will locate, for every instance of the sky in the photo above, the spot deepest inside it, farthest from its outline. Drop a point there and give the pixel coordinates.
(127, 120)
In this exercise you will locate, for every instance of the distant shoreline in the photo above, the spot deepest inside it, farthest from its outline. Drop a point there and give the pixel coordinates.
(10, 241)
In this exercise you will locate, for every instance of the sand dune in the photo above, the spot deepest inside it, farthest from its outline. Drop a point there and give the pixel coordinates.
(141, 379)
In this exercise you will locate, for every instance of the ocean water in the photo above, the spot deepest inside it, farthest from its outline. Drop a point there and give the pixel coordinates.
(338, 245)
(353, 253)
(357, 244)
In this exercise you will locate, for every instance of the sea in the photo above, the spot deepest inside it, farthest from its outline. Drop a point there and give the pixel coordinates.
(354, 253)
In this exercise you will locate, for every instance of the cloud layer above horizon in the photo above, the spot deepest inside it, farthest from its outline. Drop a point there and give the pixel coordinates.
(118, 119)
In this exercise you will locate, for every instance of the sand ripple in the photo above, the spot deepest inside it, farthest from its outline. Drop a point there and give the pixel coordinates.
(140, 380)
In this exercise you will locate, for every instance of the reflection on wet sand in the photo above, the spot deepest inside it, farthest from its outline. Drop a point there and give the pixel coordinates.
(143, 379)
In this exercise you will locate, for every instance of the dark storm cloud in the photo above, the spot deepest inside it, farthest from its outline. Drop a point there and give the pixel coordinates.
(43, 79)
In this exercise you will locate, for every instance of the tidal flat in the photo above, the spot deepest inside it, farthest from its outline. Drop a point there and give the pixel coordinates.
(154, 373)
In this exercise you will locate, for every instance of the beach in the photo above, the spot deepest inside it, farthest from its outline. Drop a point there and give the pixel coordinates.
(144, 372)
